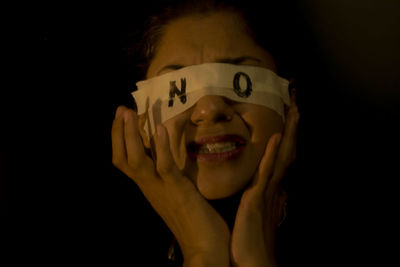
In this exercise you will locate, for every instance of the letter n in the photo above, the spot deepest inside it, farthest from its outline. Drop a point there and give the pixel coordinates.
(173, 90)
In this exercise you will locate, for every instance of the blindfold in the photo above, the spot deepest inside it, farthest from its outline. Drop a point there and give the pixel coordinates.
(170, 94)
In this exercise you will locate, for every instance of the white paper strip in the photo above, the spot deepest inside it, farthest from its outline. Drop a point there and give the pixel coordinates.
(167, 95)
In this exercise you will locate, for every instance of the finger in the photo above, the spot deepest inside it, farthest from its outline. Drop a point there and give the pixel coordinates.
(289, 141)
(117, 139)
(266, 165)
(145, 139)
(287, 151)
(292, 92)
(268, 161)
(165, 163)
(136, 156)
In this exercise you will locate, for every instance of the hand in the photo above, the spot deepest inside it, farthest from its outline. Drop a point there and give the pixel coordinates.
(260, 208)
(200, 231)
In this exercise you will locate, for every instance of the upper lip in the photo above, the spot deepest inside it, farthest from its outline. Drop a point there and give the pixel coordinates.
(199, 141)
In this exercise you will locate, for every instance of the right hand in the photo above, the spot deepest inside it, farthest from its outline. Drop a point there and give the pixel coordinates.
(200, 231)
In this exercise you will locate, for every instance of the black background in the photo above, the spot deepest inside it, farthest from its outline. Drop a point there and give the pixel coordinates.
(63, 201)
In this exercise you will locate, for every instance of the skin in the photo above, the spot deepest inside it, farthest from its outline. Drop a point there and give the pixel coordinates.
(216, 38)
(178, 187)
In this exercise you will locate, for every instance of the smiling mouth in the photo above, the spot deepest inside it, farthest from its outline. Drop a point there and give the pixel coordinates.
(216, 148)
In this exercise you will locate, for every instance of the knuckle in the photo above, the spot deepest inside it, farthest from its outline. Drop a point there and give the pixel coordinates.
(128, 168)
(134, 163)
(164, 169)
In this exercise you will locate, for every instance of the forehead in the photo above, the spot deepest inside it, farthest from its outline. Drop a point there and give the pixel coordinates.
(208, 29)
(197, 39)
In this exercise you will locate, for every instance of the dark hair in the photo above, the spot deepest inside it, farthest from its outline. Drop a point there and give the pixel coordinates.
(263, 22)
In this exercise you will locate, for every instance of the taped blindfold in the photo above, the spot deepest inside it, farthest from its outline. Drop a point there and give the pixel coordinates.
(167, 95)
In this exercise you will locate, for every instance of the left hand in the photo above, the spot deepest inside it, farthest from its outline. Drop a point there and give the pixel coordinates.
(260, 209)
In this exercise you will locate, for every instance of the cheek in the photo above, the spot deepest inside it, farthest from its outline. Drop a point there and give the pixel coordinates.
(262, 122)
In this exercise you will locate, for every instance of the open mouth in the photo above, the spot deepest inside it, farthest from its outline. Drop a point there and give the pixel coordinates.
(216, 147)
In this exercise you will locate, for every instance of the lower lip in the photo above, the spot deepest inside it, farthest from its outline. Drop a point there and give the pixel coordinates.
(215, 157)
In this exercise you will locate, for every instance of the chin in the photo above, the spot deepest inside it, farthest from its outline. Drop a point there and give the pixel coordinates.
(215, 194)
(220, 186)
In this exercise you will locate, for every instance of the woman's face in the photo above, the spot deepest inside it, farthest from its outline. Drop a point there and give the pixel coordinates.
(217, 143)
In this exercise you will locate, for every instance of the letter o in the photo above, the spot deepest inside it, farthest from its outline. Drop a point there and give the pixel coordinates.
(236, 85)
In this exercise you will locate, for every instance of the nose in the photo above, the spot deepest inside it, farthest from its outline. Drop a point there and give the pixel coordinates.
(211, 109)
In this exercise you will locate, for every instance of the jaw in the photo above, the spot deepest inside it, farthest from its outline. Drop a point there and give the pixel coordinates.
(215, 181)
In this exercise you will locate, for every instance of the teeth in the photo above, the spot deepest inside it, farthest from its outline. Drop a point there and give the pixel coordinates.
(217, 147)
